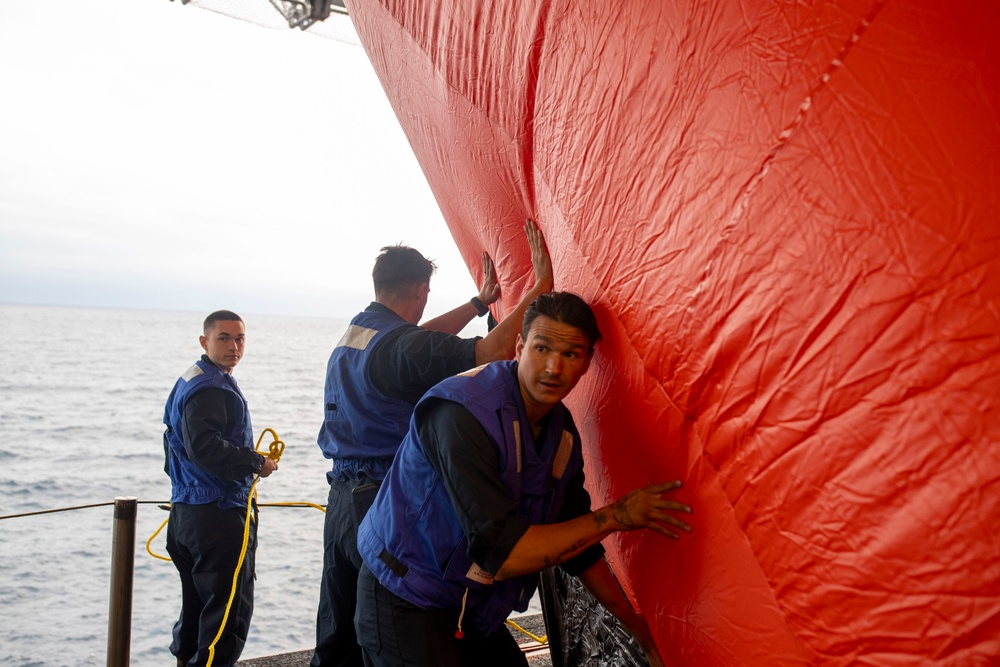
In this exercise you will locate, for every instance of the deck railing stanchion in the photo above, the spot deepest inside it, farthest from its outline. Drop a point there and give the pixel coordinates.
(122, 574)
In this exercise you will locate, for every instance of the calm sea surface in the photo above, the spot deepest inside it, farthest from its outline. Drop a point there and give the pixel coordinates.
(81, 406)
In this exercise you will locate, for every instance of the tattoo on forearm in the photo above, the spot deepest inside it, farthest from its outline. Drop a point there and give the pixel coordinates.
(622, 516)
(566, 554)
(573, 548)
(548, 561)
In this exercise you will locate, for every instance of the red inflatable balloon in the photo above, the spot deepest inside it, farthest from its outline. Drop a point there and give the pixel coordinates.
(787, 216)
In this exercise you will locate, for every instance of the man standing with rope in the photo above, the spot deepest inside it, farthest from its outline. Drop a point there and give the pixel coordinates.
(211, 462)
(376, 374)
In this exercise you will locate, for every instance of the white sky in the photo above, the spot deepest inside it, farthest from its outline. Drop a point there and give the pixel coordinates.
(157, 155)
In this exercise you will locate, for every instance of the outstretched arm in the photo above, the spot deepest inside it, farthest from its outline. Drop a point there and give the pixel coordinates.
(457, 318)
(499, 343)
(601, 582)
(550, 544)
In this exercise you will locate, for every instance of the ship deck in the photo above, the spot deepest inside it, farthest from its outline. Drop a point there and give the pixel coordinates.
(537, 654)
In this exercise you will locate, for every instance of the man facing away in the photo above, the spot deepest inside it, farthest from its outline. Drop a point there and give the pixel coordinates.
(210, 458)
(376, 374)
(487, 490)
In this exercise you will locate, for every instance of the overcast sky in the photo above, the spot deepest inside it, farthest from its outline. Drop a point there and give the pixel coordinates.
(157, 155)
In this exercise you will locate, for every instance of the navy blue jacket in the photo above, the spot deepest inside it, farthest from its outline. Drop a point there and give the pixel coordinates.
(191, 483)
(363, 427)
(426, 560)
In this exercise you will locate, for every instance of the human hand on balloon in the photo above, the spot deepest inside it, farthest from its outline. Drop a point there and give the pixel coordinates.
(540, 260)
(647, 508)
(490, 291)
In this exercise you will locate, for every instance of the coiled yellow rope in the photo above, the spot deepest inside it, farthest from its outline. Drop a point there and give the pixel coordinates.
(274, 452)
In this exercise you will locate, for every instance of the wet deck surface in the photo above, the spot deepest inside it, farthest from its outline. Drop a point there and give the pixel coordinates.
(538, 654)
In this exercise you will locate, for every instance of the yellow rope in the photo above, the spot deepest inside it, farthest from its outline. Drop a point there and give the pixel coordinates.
(275, 451)
(297, 503)
(152, 537)
(541, 640)
(236, 574)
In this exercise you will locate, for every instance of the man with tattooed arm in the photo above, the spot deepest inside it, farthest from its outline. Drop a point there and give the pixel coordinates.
(486, 491)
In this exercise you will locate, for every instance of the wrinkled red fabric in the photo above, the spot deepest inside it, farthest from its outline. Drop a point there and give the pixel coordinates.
(787, 217)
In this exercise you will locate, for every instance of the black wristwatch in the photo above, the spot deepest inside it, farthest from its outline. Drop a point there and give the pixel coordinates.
(479, 306)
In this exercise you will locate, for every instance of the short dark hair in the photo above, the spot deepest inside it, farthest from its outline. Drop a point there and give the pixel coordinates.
(220, 316)
(567, 308)
(400, 266)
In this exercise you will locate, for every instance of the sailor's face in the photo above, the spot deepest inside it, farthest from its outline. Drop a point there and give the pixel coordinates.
(550, 363)
(224, 344)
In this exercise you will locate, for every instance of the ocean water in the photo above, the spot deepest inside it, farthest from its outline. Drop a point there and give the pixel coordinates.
(81, 406)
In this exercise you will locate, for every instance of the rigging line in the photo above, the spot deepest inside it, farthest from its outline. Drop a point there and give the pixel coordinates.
(76, 507)
(165, 503)
(62, 509)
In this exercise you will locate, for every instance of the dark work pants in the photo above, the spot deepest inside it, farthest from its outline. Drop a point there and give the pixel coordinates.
(205, 543)
(395, 633)
(336, 642)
